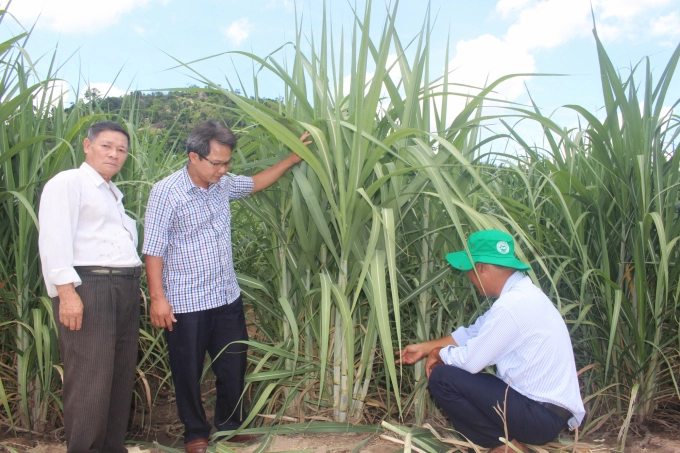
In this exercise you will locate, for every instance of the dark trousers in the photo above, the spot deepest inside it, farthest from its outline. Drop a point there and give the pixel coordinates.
(99, 363)
(469, 401)
(192, 336)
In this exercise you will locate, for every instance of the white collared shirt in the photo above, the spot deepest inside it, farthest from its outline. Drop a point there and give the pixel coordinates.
(83, 223)
(525, 336)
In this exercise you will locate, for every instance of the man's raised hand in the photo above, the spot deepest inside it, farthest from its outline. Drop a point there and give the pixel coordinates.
(410, 354)
(303, 139)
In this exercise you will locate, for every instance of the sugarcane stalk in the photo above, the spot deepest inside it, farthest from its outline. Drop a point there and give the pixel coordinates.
(341, 354)
(423, 328)
(366, 370)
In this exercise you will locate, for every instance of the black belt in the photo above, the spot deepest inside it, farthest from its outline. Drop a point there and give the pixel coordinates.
(99, 270)
(559, 411)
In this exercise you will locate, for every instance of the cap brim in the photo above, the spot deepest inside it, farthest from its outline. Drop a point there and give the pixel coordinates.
(510, 262)
(459, 260)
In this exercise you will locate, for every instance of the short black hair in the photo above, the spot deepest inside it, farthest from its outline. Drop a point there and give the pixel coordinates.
(200, 137)
(102, 126)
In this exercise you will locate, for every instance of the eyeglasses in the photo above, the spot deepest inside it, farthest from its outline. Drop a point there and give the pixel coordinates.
(226, 164)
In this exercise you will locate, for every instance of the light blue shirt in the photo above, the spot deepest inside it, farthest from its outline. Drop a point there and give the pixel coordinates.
(190, 228)
(525, 336)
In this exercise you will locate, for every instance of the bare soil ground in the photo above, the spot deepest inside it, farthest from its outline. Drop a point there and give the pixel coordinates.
(665, 441)
(163, 428)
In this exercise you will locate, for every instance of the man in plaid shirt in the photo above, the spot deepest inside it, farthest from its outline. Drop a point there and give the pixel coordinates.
(193, 288)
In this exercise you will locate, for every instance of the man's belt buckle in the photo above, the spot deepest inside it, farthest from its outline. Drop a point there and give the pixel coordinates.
(102, 271)
(87, 270)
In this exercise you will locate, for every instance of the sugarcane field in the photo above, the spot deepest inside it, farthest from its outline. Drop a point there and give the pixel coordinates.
(326, 227)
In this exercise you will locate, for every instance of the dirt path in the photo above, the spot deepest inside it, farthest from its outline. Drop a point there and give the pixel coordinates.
(665, 442)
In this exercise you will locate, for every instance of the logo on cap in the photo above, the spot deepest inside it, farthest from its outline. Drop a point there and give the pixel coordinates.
(503, 247)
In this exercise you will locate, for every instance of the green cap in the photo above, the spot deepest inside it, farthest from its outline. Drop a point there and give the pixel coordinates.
(490, 247)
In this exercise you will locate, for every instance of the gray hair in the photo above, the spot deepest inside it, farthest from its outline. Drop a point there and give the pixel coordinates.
(102, 126)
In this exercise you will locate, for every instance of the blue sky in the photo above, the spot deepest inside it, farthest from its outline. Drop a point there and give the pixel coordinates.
(97, 41)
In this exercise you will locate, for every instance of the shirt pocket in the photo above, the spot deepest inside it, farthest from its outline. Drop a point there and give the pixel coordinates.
(191, 218)
(220, 222)
(131, 226)
(220, 217)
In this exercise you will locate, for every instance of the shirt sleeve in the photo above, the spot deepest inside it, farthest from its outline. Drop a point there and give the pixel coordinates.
(497, 330)
(239, 186)
(58, 218)
(156, 223)
(462, 334)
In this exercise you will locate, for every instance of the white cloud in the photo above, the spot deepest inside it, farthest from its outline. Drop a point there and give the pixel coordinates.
(667, 26)
(105, 90)
(394, 72)
(480, 61)
(609, 33)
(288, 5)
(542, 24)
(626, 9)
(141, 31)
(70, 16)
(505, 7)
(549, 24)
(620, 19)
(53, 92)
(238, 31)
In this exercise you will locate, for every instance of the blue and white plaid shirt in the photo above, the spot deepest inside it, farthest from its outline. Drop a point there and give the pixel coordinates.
(190, 228)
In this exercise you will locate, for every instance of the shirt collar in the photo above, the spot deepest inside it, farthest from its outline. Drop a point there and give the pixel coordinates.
(187, 184)
(512, 281)
(98, 180)
(92, 173)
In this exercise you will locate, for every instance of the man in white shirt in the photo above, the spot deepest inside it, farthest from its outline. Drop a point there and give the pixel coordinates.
(91, 268)
(523, 335)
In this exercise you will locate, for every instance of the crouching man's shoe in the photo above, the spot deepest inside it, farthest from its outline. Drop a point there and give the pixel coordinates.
(521, 446)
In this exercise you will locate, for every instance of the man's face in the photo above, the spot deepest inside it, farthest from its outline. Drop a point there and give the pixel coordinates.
(106, 153)
(210, 169)
(479, 277)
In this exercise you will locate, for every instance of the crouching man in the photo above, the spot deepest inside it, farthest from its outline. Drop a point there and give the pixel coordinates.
(524, 335)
